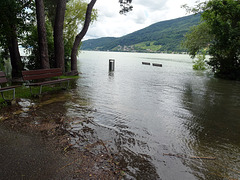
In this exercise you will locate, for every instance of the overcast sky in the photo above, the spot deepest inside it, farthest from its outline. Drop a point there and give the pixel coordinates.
(145, 12)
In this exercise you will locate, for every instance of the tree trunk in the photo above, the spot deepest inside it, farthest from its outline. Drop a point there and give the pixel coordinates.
(16, 62)
(42, 35)
(58, 34)
(80, 36)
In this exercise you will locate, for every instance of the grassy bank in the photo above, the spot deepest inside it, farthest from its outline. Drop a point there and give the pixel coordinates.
(24, 91)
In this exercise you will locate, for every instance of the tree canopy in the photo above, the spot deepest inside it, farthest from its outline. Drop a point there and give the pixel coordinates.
(125, 6)
(14, 22)
(220, 28)
(197, 39)
(62, 19)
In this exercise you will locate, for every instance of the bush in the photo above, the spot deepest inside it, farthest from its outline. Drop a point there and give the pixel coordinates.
(200, 63)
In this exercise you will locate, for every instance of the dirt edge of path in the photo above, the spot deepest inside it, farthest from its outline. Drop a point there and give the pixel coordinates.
(45, 148)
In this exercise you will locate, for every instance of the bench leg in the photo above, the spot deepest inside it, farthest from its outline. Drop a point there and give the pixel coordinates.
(40, 91)
(31, 90)
(14, 93)
(41, 86)
(68, 84)
(62, 84)
(8, 99)
(2, 95)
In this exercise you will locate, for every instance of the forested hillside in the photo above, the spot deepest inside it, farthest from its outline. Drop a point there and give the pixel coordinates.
(165, 36)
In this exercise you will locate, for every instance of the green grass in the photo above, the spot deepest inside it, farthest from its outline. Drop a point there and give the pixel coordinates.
(72, 77)
(148, 46)
(20, 92)
(24, 91)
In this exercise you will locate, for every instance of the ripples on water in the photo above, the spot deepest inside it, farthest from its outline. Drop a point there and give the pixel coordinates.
(145, 112)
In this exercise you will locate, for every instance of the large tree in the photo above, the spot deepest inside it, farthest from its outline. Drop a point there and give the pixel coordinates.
(13, 24)
(221, 18)
(58, 34)
(125, 7)
(75, 17)
(58, 21)
(42, 35)
(80, 36)
(13, 17)
(197, 39)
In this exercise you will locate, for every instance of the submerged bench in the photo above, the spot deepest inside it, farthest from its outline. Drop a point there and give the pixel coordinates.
(42, 77)
(3, 80)
(146, 63)
(156, 64)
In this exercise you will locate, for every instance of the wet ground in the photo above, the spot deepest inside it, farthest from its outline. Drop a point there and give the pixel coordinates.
(24, 156)
(34, 144)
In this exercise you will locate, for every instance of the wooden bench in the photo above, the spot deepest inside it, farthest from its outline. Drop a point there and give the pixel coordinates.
(43, 77)
(3, 80)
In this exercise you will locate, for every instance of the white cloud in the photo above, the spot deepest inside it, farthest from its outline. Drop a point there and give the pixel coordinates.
(145, 12)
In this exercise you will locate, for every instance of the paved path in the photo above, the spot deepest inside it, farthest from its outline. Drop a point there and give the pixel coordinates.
(26, 157)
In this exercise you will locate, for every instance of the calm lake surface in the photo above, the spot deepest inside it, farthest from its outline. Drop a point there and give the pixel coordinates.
(158, 118)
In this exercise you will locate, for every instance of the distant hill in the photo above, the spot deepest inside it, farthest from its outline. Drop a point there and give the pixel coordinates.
(164, 36)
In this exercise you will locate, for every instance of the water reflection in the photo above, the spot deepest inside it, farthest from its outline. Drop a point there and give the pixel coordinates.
(111, 74)
(121, 141)
(214, 126)
(143, 112)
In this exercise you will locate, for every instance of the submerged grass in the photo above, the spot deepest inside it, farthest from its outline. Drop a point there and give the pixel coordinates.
(24, 91)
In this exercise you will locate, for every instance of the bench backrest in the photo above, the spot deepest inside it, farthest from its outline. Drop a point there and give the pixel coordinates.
(41, 74)
(3, 78)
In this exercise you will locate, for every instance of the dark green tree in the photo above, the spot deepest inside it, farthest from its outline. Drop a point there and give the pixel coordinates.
(197, 39)
(221, 19)
(14, 20)
(30, 43)
(42, 35)
(17, 19)
(125, 6)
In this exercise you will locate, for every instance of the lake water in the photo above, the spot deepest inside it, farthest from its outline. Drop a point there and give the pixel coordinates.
(157, 119)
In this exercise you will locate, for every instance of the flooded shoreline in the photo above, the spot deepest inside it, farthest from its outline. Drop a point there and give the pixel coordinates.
(152, 123)
(148, 111)
(35, 144)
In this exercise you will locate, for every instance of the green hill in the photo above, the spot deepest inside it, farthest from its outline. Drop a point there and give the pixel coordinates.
(165, 36)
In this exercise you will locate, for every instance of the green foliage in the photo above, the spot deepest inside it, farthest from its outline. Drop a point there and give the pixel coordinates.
(200, 64)
(13, 18)
(1, 65)
(197, 39)
(24, 92)
(31, 44)
(125, 6)
(147, 46)
(50, 9)
(221, 18)
(20, 92)
(1, 61)
(167, 34)
(13, 15)
(74, 17)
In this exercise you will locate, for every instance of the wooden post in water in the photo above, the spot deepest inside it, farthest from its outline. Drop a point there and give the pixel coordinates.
(111, 64)
(156, 64)
(146, 63)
